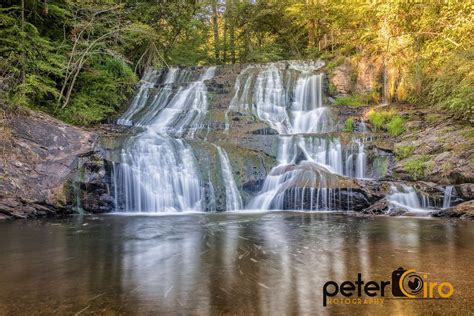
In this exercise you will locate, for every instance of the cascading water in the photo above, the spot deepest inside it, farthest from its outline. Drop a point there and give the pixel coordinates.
(405, 197)
(232, 194)
(157, 169)
(307, 164)
(448, 193)
(157, 172)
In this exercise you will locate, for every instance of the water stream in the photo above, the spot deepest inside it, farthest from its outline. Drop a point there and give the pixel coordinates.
(233, 198)
(448, 193)
(158, 171)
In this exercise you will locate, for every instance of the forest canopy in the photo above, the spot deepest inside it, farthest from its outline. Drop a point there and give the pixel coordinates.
(79, 60)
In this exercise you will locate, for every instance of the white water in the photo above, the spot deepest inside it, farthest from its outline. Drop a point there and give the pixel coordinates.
(405, 197)
(292, 104)
(157, 172)
(448, 193)
(232, 194)
(186, 111)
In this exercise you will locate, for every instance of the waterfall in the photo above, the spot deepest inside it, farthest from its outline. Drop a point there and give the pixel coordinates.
(308, 115)
(158, 172)
(232, 194)
(405, 197)
(448, 193)
(361, 160)
(293, 106)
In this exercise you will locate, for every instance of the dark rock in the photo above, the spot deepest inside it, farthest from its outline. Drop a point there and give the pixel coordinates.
(397, 211)
(343, 199)
(19, 208)
(464, 210)
(265, 131)
(378, 208)
(41, 158)
(465, 191)
(253, 186)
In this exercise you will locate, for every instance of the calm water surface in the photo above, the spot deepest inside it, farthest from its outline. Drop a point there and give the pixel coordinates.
(267, 263)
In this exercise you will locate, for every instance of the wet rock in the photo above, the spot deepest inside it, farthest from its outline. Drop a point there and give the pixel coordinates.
(265, 131)
(40, 158)
(19, 208)
(93, 181)
(378, 208)
(465, 191)
(464, 210)
(253, 186)
(397, 211)
(343, 199)
(310, 186)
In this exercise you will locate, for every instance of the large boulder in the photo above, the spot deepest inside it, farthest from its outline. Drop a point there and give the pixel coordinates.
(310, 186)
(39, 160)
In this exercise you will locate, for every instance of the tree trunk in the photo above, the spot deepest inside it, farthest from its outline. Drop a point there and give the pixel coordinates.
(45, 7)
(215, 26)
(231, 22)
(23, 56)
(224, 44)
(311, 27)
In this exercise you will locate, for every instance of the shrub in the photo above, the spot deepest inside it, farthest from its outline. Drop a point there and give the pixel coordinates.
(432, 118)
(351, 100)
(357, 99)
(349, 125)
(387, 120)
(380, 118)
(403, 151)
(396, 126)
(452, 86)
(416, 167)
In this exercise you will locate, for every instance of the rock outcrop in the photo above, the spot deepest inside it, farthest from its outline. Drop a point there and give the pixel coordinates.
(464, 210)
(39, 159)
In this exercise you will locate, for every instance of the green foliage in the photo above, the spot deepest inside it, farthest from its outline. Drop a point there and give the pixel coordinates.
(333, 63)
(48, 59)
(349, 125)
(357, 99)
(350, 100)
(380, 118)
(396, 126)
(432, 118)
(265, 54)
(453, 88)
(103, 88)
(417, 166)
(403, 151)
(387, 120)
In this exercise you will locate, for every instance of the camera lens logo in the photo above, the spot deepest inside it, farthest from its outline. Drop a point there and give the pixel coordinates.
(406, 283)
(410, 284)
(413, 283)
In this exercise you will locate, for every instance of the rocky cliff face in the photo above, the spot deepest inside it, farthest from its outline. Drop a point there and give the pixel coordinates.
(40, 156)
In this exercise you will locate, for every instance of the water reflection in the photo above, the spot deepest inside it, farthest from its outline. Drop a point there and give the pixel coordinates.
(273, 263)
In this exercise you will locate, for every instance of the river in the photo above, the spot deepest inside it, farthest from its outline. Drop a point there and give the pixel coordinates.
(225, 263)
